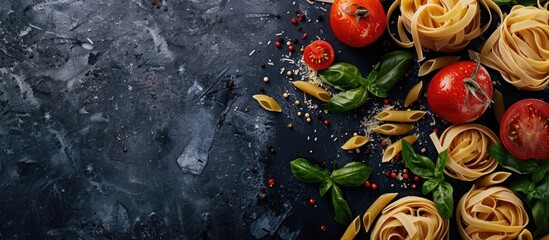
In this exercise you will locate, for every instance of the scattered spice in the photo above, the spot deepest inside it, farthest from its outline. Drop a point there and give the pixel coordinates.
(291, 48)
(414, 185)
(367, 184)
(393, 174)
(289, 125)
(294, 20)
(309, 119)
(266, 79)
(262, 65)
(285, 95)
(326, 122)
(323, 228)
(278, 44)
(312, 201)
(405, 175)
(304, 35)
(374, 186)
(271, 182)
(416, 178)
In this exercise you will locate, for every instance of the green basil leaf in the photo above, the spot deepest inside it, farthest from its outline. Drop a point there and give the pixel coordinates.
(441, 162)
(342, 75)
(502, 2)
(352, 174)
(430, 185)
(538, 175)
(542, 191)
(539, 212)
(325, 185)
(419, 165)
(372, 76)
(522, 185)
(348, 100)
(376, 90)
(444, 202)
(524, 2)
(390, 70)
(506, 160)
(342, 211)
(306, 171)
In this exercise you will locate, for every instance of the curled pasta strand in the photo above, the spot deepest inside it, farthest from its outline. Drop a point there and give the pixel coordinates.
(490, 213)
(467, 146)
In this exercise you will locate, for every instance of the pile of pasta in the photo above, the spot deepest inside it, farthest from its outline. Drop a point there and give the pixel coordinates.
(467, 147)
(519, 48)
(410, 218)
(440, 25)
(491, 212)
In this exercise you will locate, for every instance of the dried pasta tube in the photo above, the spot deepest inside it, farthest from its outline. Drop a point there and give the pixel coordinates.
(492, 179)
(395, 148)
(400, 116)
(313, 90)
(355, 142)
(413, 94)
(267, 102)
(393, 129)
(376, 207)
(352, 230)
(435, 64)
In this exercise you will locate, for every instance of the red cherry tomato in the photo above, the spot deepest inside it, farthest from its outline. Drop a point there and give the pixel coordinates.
(460, 92)
(318, 55)
(357, 23)
(524, 129)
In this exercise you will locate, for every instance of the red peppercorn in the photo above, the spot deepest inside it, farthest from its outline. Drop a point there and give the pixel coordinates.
(385, 101)
(291, 48)
(304, 35)
(386, 174)
(397, 157)
(278, 44)
(294, 20)
(367, 184)
(393, 174)
(416, 178)
(435, 130)
(374, 186)
(301, 16)
(326, 122)
(312, 201)
(383, 144)
(414, 185)
(405, 175)
(405, 170)
(271, 182)
(323, 228)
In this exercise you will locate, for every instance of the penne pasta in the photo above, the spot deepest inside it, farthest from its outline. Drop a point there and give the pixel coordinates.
(374, 210)
(546, 237)
(393, 129)
(352, 230)
(395, 148)
(413, 94)
(267, 102)
(498, 105)
(400, 116)
(525, 235)
(435, 64)
(355, 142)
(492, 179)
(313, 90)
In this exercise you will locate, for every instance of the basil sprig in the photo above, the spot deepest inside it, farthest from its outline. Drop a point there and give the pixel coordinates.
(351, 175)
(355, 88)
(434, 173)
(535, 189)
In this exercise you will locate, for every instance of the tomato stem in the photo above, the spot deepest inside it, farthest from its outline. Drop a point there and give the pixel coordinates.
(472, 86)
(359, 12)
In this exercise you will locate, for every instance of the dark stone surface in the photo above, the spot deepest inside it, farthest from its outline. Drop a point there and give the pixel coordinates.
(123, 120)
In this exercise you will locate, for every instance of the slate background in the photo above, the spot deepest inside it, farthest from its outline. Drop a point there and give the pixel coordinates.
(121, 120)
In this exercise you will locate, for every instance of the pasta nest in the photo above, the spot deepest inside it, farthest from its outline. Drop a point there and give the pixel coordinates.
(519, 48)
(410, 218)
(468, 156)
(490, 213)
(440, 25)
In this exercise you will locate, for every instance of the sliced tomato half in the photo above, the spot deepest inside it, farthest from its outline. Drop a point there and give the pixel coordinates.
(319, 55)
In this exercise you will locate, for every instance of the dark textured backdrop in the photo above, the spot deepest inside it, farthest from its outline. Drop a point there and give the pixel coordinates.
(120, 119)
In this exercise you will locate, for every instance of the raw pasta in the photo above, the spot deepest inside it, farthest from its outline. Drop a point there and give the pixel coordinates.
(393, 129)
(519, 48)
(313, 90)
(355, 142)
(440, 25)
(376, 207)
(395, 148)
(410, 218)
(400, 116)
(467, 146)
(490, 213)
(492, 179)
(525, 235)
(413, 94)
(498, 105)
(352, 230)
(435, 64)
(268, 103)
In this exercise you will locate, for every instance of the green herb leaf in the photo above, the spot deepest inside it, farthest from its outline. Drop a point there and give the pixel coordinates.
(325, 185)
(441, 162)
(522, 185)
(542, 190)
(506, 160)
(444, 202)
(343, 76)
(347, 100)
(419, 165)
(538, 175)
(352, 174)
(430, 185)
(502, 2)
(306, 171)
(539, 212)
(342, 211)
(390, 70)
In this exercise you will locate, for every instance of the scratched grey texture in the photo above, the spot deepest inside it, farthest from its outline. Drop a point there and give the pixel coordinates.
(121, 120)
